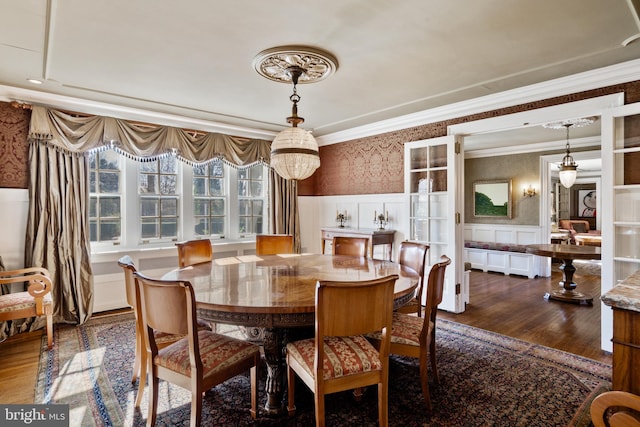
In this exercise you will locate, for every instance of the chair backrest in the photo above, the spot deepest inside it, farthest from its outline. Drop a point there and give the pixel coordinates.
(168, 307)
(616, 409)
(352, 246)
(273, 244)
(354, 308)
(435, 290)
(194, 252)
(414, 256)
(129, 268)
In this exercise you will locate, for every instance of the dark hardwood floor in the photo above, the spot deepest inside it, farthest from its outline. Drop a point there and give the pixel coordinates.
(509, 305)
(514, 306)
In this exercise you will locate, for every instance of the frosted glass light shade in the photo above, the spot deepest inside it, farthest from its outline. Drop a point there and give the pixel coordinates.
(294, 154)
(567, 175)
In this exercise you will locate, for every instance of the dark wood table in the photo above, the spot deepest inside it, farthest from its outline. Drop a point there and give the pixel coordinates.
(375, 236)
(277, 293)
(567, 253)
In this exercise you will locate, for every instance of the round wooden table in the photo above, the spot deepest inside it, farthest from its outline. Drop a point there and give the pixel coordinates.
(567, 253)
(277, 293)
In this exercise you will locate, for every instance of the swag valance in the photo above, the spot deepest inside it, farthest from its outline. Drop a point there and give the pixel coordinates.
(81, 134)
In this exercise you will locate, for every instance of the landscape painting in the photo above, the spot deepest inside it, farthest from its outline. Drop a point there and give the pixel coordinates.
(492, 199)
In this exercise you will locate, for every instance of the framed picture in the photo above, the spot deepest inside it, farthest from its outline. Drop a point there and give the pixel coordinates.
(492, 199)
(587, 203)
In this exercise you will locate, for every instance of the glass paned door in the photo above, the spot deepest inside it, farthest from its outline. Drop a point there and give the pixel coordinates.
(621, 224)
(432, 196)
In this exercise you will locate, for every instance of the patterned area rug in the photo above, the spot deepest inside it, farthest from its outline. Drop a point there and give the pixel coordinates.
(486, 379)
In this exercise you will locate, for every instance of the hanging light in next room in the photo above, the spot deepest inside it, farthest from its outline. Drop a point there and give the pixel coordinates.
(569, 168)
(294, 151)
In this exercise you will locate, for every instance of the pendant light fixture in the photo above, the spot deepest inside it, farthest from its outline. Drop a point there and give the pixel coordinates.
(294, 151)
(569, 168)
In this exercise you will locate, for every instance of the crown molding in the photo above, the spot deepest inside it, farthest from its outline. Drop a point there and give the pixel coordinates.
(9, 94)
(588, 80)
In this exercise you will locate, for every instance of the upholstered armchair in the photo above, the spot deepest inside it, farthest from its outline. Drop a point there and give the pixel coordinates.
(577, 227)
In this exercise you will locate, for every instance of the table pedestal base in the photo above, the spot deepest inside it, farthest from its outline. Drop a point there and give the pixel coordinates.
(569, 296)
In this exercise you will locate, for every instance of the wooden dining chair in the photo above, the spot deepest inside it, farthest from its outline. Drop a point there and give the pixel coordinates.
(273, 244)
(162, 340)
(346, 360)
(414, 256)
(35, 301)
(616, 409)
(352, 246)
(197, 362)
(416, 337)
(194, 252)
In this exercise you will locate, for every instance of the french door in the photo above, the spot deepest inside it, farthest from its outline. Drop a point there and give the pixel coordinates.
(434, 197)
(621, 182)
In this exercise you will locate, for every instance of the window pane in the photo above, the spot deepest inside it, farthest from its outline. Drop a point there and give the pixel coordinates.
(202, 227)
(149, 228)
(93, 210)
(256, 172)
(149, 207)
(217, 225)
(109, 159)
(257, 225)
(109, 230)
(256, 188)
(93, 227)
(109, 182)
(148, 166)
(199, 170)
(168, 184)
(257, 207)
(168, 164)
(244, 207)
(217, 169)
(243, 173)
(217, 207)
(110, 207)
(216, 187)
(169, 207)
(201, 207)
(169, 227)
(199, 186)
(244, 224)
(92, 181)
(243, 189)
(92, 159)
(148, 184)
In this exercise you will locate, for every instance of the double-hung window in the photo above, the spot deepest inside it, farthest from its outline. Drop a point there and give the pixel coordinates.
(105, 201)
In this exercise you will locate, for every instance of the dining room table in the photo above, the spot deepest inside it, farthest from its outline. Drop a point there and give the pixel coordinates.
(273, 298)
(566, 253)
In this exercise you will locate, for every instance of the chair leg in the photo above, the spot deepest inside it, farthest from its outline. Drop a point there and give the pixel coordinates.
(432, 357)
(424, 382)
(153, 400)
(50, 331)
(136, 360)
(196, 408)
(383, 401)
(291, 382)
(319, 404)
(254, 388)
(143, 377)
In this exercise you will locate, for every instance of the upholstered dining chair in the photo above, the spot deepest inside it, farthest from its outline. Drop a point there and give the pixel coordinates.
(414, 256)
(616, 409)
(273, 244)
(415, 337)
(35, 301)
(346, 360)
(197, 362)
(194, 252)
(352, 246)
(162, 340)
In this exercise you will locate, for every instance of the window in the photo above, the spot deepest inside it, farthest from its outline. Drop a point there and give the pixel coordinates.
(105, 219)
(209, 199)
(158, 187)
(251, 200)
(136, 204)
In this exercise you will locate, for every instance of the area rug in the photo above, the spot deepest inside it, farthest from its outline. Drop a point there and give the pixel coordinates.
(486, 379)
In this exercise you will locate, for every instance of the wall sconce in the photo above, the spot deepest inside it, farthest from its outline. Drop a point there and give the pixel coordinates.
(529, 191)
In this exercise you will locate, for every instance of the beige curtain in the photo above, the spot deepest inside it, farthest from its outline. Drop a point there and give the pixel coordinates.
(285, 218)
(57, 229)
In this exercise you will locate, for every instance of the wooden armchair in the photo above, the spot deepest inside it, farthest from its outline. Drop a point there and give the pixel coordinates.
(414, 256)
(35, 301)
(616, 409)
(273, 244)
(345, 359)
(352, 246)
(197, 362)
(415, 337)
(194, 252)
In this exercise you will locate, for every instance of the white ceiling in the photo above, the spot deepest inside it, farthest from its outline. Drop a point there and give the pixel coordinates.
(194, 58)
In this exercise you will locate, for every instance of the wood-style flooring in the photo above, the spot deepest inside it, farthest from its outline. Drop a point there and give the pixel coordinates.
(509, 305)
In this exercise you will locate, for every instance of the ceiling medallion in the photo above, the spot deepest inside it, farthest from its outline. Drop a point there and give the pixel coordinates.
(576, 123)
(276, 63)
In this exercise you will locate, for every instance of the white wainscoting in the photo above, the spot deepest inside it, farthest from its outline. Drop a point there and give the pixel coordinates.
(501, 261)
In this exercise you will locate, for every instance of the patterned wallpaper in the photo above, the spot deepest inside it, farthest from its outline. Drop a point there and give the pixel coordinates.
(14, 149)
(368, 165)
